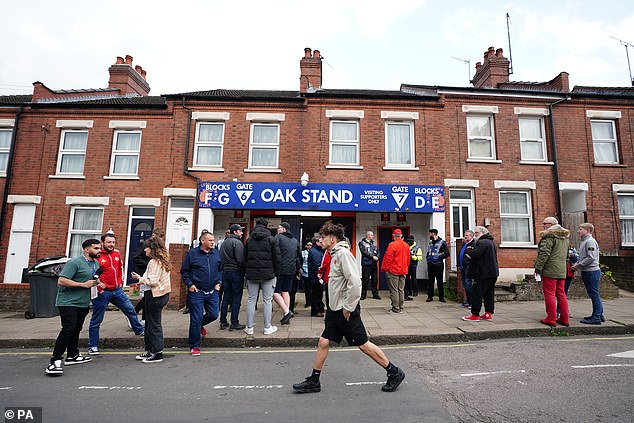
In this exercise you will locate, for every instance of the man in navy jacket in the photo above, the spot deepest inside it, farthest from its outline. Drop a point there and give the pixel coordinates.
(201, 274)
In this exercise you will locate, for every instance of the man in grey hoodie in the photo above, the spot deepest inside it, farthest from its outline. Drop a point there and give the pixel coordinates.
(588, 263)
(343, 317)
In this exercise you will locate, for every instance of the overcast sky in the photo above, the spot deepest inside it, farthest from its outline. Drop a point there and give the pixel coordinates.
(373, 44)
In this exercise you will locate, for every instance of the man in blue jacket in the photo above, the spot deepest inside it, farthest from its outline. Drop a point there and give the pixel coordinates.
(201, 274)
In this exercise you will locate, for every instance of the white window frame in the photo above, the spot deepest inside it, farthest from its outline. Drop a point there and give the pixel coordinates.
(275, 146)
(624, 243)
(613, 141)
(460, 202)
(74, 152)
(355, 143)
(88, 233)
(412, 144)
(541, 141)
(529, 216)
(490, 138)
(204, 143)
(5, 151)
(116, 153)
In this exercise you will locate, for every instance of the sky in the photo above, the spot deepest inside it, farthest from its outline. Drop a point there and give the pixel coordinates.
(257, 44)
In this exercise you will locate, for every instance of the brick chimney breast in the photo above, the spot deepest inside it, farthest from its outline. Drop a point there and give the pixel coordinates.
(493, 71)
(126, 79)
(310, 71)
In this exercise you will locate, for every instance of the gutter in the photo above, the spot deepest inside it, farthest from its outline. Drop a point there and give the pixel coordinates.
(553, 147)
(7, 179)
(186, 169)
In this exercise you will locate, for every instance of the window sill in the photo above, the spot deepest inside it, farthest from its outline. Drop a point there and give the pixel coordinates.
(400, 168)
(66, 177)
(3, 174)
(484, 161)
(530, 162)
(122, 177)
(530, 246)
(262, 170)
(609, 165)
(341, 166)
(206, 169)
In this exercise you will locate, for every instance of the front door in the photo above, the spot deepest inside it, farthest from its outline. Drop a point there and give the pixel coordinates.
(19, 242)
(179, 221)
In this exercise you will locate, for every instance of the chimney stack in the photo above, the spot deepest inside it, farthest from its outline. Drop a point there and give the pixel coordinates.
(126, 79)
(310, 71)
(493, 70)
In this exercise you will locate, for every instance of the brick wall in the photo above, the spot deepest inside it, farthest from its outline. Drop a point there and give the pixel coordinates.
(178, 296)
(622, 270)
(15, 297)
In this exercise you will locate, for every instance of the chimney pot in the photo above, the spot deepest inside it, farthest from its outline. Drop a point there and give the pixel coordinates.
(316, 54)
(143, 74)
(499, 53)
(307, 52)
(138, 69)
(128, 59)
(119, 60)
(478, 65)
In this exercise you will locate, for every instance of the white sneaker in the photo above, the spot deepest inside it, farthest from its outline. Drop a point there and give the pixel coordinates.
(248, 331)
(270, 330)
(55, 368)
(93, 351)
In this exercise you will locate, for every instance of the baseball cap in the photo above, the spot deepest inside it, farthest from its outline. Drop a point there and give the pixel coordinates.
(235, 227)
(397, 232)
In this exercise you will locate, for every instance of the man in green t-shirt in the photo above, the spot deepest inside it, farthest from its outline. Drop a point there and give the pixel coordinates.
(73, 297)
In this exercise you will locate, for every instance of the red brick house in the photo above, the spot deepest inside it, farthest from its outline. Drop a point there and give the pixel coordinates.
(503, 154)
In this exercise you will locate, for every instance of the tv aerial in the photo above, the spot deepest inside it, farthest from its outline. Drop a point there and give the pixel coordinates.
(468, 62)
(627, 53)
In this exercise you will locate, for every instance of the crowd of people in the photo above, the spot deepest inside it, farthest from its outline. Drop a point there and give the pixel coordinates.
(277, 266)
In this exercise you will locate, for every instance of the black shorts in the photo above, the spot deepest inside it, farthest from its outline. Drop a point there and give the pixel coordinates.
(284, 283)
(337, 327)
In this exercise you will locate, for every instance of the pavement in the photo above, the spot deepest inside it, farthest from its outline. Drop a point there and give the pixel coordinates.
(420, 322)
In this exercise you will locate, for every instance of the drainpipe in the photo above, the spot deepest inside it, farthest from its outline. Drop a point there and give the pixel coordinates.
(7, 179)
(187, 172)
(553, 147)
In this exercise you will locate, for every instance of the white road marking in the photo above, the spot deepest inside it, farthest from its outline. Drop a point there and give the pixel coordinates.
(248, 386)
(596, 366)
(112, 388)
(5, 388)
(624, 354)
(492, 373)
(364, 383)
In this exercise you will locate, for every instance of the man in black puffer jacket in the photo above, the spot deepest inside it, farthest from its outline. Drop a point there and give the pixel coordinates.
(262, 259)
(483, 268)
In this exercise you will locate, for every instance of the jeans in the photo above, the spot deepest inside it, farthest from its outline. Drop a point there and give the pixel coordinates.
(435, 272)
(483, 289)
(554, 288)
(68, 338)
(198, 302)
(99, 305)
(253, 288)
(396, 283)
(467, 284)
(153, 321)
(591, 281)
(233, 285)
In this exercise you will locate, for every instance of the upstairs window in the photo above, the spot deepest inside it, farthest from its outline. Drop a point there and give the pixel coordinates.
(481, 137)
(209, 143)
(72, 152)
(125, 153)
(399, 144)
(5, 148)
(344, 142)
(532, 140)
(604, 141)
(264, 146)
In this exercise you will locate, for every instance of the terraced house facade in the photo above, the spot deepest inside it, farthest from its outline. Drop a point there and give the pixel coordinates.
(503, 154)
